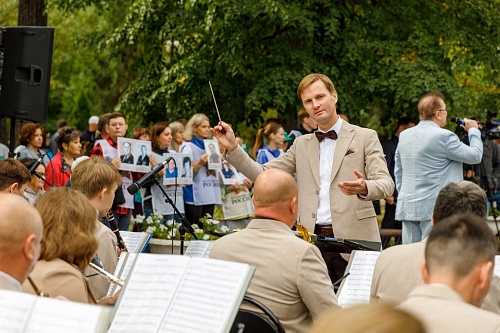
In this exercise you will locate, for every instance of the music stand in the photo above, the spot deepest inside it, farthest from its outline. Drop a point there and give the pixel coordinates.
(341, 245)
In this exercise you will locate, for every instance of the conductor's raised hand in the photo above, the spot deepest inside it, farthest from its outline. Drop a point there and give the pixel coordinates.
(355, 187)
(226, 139)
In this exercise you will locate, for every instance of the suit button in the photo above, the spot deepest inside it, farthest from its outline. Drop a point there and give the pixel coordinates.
(313, 216)
(317, 191)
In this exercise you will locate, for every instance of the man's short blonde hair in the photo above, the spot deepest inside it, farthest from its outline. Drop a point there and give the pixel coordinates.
(93, 175)
(310, 79)
(429, 104)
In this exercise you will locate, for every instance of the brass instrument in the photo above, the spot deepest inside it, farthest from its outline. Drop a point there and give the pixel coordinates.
(39, 292)
(116, 231)
(107, 275)
(306, 235)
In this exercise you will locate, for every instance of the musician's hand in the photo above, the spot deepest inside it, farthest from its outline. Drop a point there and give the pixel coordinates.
(117, 162)
(118, 252)
(355, 187)
(109, 300)
(247, 182)
(227, 139)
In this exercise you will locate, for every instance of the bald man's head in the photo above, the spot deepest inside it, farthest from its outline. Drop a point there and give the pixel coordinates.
(275, 195)
(21, 231)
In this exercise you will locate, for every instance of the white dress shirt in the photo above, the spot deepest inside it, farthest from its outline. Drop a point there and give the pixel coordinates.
(326, 153)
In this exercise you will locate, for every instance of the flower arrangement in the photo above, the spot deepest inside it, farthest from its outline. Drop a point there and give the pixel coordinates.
(159, 228)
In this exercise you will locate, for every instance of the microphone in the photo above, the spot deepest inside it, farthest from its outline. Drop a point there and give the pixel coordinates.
(132, 189)
(457, 120)
(37, 163)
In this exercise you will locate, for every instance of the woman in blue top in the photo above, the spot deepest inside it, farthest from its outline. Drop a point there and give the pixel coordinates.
(201, 197)
(274, 134)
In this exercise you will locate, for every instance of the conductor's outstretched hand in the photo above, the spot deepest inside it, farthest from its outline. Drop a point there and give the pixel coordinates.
(226, 139)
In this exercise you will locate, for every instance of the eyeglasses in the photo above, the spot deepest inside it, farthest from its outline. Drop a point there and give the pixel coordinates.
(117, 124)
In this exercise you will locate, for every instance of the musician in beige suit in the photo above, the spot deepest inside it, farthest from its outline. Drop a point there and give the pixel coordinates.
(291, 278)
(397, 271)
(98, 180)
(337, 178)
(458, 268)
(20, 236)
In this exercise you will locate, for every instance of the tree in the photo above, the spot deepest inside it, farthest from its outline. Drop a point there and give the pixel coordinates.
(382, 56)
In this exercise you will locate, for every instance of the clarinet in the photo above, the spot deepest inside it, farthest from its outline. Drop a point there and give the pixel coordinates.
(114, 228)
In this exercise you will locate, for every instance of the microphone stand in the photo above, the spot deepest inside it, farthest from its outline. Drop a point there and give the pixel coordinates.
(41, 178)
(186, 226)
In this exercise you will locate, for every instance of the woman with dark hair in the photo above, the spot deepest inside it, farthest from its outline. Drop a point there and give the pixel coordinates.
(32, 138)
(161, 138)
(35, 187)
(59, 169)
(68, 245)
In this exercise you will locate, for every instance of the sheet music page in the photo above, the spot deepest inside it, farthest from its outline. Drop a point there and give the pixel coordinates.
(208, 297)
(199, 248)
(125, 262)
(355, 289)
(15, 309)
(148, 292)
(134, 240)
(52, 315)
(497, 265)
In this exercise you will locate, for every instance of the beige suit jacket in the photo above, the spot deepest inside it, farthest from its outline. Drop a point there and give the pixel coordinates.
(58, 278)
(442, 310)
(291, 278)
(397, 273)
(357, 148)
(107, 253)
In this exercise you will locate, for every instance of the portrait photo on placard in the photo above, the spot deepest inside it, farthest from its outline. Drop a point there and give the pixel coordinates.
(142, 154)
(171, 169)
(214, 158)
(186, 169)
(228, 174)
(126, 148)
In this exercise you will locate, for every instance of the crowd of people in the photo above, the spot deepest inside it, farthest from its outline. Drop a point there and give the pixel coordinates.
(326, 176)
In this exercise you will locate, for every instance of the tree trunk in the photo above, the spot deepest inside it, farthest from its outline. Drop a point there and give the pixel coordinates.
(32, 13)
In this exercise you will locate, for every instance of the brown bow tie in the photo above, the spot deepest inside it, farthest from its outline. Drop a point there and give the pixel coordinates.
(330, 134)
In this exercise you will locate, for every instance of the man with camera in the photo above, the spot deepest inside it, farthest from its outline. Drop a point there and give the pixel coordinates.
(427, 158)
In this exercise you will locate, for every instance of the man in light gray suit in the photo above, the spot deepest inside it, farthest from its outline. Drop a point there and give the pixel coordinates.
(340, 169)
(291, 278)
(427, 158)
(397, 271)
(21, 231)
(458, 268)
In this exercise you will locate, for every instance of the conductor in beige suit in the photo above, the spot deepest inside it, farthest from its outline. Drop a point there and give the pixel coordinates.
(458, 268)
(340, 169)
(291, 278)
(397, 271)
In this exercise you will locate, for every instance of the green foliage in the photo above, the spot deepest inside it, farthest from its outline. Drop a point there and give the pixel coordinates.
(152, 59)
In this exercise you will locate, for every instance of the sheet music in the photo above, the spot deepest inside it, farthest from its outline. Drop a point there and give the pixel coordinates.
(355, 289)
(148, 292)
(15, 308)
(497, 265)
(199, 248)
(209, 289)
(71, 317)
(125, 263)
(134, 240)
(20, 312)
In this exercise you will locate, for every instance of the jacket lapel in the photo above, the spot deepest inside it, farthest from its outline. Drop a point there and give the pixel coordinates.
(313, 156)
(344, 140)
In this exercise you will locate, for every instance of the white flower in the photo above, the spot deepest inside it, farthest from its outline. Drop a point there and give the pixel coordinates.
(224, 229)
(170, 222)
(163, 228)
(206, 237)
(150, 230)
(149, 220)
(213, 222)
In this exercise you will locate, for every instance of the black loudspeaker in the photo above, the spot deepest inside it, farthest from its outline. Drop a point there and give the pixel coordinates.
(25, 65)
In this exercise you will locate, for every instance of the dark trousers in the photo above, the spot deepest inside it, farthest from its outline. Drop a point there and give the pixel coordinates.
(334, 262)
(389, 221)
(194, 213)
